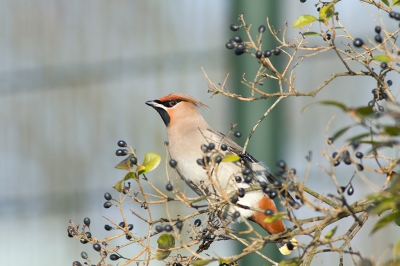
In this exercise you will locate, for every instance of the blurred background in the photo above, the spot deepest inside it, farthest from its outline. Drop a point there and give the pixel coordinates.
(74, 76)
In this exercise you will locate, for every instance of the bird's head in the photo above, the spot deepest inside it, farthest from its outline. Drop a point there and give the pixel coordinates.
(177, 107)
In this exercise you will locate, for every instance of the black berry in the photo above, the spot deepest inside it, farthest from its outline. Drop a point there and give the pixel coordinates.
(358, 42)
(241, 192)
(237, 134)
(122, 144)
(378, 29)
(272, 194)
(84, 255)
(169, 186)
(281, 164)
(359, 155)
(259, 54)
(246, 171)
(268, 212)
(114, 257)
(347, 161)
(248, 179)
(371, 103)
(107, 196)
(330, 141)
(230, 45)
(97, 247)
(211, 146)
(121, 152)
(88, 235)
(168, 228)
(218, 159)
(86, 221)
(234, 199)
(234, 27)
(76, 263)
(204, 148)
(238, 179)
(236, 214)
(384, 65)
(277, 51)
(389, 82)
(360, 167)
(267, 53)
(173, 163)
(197, 222)
(336, 163)
(107, 204)
(200, 161)
(350, 191)
(277, 183)
(107, 227)
(224, 147)
(342, 189)
(130, 227)
(179, 225)
(237, 39)
(133, 160)
(239, 51)
(159, 228)
(122, 224)
(261, 29)
(378, 38)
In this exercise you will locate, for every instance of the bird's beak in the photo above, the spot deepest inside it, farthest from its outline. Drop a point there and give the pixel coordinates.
(150, 103)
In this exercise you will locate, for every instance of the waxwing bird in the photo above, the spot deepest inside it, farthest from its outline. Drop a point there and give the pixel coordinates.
(190, 137)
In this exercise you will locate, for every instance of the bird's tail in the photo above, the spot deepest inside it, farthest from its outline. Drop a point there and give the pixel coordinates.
(288, 247)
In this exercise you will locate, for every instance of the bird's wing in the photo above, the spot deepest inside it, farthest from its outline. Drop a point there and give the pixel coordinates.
(260, 170)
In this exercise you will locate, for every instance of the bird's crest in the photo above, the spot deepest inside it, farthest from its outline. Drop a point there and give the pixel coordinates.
(184, 98)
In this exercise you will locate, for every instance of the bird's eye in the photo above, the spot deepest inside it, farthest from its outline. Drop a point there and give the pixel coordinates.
(172, 103)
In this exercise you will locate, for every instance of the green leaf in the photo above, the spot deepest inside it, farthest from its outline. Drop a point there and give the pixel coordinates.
(396, 2)
(150, 162)
(386, 2)
(385, 220)
(303, 20)
(275, 217)
(201, 262)
(130, 175)
(364, 111)
(125, 164)
(381, 58)
(227, 262)
(392, 131)
(119, 185)
(340, 132)
(291, 262)
(396, 249)
(360, 136)
(311, 33)
(230, 157)
(383, 205)
(326, 12)
(330, 234)
(328, 102)
(165, 241)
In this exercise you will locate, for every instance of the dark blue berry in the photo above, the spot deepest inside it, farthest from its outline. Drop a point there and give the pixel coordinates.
(234, 27)
(358, 42)
(122, 144)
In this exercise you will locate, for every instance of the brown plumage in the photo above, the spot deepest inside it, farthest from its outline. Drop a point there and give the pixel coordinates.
(187, 132)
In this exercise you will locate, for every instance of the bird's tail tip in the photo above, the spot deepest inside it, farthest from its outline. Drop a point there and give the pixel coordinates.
(288, 247)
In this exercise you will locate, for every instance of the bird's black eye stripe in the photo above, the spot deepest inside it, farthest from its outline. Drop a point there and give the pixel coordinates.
(170, 103)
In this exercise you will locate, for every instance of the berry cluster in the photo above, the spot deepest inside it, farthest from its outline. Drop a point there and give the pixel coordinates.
(86, 237)
(379, 95)
(242, 47)
(347, 159)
